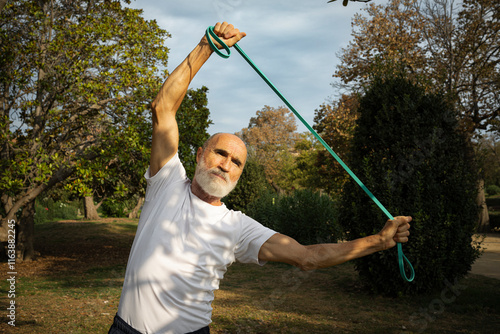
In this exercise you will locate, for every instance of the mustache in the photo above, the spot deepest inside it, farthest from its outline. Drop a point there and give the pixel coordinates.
(218, 172)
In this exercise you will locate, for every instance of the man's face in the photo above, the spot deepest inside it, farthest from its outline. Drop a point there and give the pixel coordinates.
(220, 165)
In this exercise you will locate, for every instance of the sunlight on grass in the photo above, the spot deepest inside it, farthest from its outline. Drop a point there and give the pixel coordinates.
(74, 286)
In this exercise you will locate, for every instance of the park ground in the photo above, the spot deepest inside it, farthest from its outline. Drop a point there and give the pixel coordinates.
(489, 262)
(74, 286)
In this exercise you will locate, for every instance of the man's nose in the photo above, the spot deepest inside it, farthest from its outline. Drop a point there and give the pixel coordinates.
(225, 165)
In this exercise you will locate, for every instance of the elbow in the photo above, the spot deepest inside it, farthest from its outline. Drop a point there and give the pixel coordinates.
(307, 262)
(317, 257)
(306, 267)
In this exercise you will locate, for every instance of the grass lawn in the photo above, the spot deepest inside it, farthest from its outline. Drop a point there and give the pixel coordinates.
(74, 287)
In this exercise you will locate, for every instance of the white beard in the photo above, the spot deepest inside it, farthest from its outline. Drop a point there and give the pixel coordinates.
(212, 184)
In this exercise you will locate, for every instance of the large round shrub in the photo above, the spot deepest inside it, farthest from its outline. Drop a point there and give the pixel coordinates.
(408, 152)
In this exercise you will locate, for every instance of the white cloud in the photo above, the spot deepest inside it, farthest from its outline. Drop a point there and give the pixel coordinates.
(293, 42)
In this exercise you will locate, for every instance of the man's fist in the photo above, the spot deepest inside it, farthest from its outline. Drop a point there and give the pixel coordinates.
(228, 34)
(395, 231)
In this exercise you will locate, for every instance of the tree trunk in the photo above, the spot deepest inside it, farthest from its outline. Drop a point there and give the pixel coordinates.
(135, 211)
(90, 208)
(25, 250)
(483, 225)
(7, 205)
(100, 203)
(30, 195)
(277, 188)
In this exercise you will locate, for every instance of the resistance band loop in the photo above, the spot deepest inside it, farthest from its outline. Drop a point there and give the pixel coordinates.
(210, 32)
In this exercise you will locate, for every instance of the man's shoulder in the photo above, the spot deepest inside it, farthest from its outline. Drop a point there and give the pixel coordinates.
(172, 166)
(171, 174)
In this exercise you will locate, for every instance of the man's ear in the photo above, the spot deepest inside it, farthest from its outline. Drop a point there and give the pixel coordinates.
(199, 153)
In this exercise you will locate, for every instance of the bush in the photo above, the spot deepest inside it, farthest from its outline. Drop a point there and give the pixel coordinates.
(407, 151)
(47, 210)
(492, 190)
(251, 185)
(495, 221)
(306, 216)
(114, 208)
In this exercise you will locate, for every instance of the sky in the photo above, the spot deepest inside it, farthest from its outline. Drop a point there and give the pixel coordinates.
(294, 43)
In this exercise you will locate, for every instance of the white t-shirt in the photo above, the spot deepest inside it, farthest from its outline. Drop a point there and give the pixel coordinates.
(181, 251)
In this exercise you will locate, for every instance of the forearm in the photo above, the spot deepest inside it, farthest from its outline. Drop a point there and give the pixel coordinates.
(281, 248)
(174, 89)
(327, 255)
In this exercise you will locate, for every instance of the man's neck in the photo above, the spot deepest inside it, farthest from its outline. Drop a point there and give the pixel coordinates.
(201, 194)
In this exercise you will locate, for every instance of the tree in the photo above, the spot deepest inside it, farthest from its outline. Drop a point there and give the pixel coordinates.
(76, 80)
(304, 173)
(458, 51)
(193, 121)
(270, 137)
(388, 37)
(464, 51)
(110, 177)
(251, 185)
(409, 152)
(335, 123)
(488, 148)
(117, 172)
(488, 153)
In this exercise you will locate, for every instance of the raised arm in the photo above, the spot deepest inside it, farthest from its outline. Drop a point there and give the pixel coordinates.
(164, 107)
(281, 248)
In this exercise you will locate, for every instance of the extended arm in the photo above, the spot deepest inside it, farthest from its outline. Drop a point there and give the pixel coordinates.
(281, 248)
(165, 131)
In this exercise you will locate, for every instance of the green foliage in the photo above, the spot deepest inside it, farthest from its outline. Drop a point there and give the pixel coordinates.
(492, 190)
(121, 179)
(408, 153)
(113, 208)
(335, 123)
(48, 210)
(303, 172)
(193, 121)
(452, 46)
(306, 216)
(270, 137)
(76, 82)
(251, 185)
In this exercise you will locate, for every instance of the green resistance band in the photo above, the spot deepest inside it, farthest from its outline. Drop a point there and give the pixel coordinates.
(210, 32)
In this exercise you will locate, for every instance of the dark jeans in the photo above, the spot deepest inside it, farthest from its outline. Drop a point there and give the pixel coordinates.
(119, 326)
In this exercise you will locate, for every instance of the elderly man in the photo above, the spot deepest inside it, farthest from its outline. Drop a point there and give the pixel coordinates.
(186, 237)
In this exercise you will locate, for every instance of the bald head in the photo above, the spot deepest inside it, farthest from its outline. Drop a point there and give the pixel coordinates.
(228, 140)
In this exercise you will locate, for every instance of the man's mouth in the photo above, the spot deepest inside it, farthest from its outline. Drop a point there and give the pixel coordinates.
(219, 176)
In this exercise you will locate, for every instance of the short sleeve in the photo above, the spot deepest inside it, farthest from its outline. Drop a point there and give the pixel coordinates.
(253, 236)
(173, 171)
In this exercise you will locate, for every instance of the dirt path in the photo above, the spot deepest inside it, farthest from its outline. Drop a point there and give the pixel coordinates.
(489, 262)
